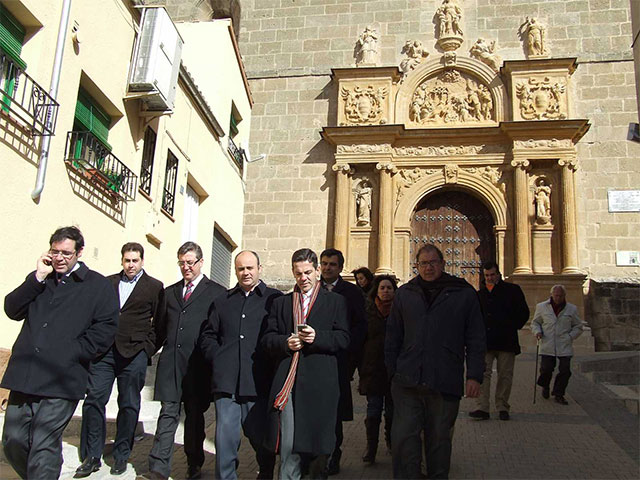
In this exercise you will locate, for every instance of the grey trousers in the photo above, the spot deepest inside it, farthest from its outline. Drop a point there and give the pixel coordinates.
(290, 463)
(505, 362)
(32, 435)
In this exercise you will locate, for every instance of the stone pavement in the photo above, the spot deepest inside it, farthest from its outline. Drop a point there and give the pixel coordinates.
(593, 437)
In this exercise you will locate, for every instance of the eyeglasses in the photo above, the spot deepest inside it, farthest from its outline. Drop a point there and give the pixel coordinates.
(188, 263)
(431, 263)
(62, 253)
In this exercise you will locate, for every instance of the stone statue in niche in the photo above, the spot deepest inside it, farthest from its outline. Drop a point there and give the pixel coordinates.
(533, 34)
(543, 202)
(363, 193)
(485, 52)
(415, 53)
(367, 48)
(449, 18)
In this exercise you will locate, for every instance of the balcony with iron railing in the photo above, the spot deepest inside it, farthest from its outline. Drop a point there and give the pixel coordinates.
(23, 99)
(237, 154)
(87, 155)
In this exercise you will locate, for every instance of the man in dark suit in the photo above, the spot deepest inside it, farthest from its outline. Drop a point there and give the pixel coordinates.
(183, 376)
(242, 375)
(70, 318)
(505, 312)
(331, 264)
(306, 330)
(139, 296)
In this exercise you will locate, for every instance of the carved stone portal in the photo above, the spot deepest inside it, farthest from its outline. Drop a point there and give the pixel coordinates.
(452, 97)
(364, 105)
(542, 99)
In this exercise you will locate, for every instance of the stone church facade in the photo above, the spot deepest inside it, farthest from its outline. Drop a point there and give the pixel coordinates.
(495, 129)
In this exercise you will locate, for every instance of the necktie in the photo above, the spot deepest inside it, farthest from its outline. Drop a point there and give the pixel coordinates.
(187, 293)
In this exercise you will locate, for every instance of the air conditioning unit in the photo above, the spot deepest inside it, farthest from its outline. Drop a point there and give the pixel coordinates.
(156, 60)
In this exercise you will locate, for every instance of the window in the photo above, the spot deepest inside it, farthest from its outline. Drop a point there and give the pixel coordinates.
(90, 117)
(236, 152)
(11, 39)
(148, 152)
(170, 178)
(221, 259)
(190, 217)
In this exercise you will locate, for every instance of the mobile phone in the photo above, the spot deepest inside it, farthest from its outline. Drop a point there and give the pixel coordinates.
(46, 261)
(301, 328)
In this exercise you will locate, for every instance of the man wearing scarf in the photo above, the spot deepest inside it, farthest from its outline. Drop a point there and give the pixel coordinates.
(557, 324)
(306, 330)
(435, 325)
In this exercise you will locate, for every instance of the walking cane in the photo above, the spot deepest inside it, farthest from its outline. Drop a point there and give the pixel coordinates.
(535, 373)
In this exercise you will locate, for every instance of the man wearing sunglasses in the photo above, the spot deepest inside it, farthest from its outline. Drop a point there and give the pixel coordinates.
(70, 317)
(183, 377)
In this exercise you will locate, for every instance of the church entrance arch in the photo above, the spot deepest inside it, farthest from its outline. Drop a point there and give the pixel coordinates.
(461, 226)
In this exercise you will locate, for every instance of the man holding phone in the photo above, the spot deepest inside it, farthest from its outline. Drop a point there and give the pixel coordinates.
(70, 317)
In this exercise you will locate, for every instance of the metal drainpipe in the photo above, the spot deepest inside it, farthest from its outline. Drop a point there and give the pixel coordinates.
(53, 91)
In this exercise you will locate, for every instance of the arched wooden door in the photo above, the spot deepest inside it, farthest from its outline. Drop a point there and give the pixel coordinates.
(459, 225)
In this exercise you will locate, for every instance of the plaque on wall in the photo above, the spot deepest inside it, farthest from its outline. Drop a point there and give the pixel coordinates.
(624, 200)
(627, 258)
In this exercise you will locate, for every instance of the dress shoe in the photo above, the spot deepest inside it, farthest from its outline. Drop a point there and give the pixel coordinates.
(119, 467)
(193, 472)
(561, 400)
(333, 465)
(545, 392)
(480, 415)
(88, 466)
(504, 415)
(151, 476)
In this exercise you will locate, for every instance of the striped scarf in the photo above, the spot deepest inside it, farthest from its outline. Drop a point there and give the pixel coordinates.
(298, 319)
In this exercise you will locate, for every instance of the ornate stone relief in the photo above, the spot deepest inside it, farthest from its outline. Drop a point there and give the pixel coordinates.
(365, 148)
(344, 168)
(544, 143)
(571, 163)
(450, 174)
(449, 21)
(542, 99)
(485, 52)
(452, 97)
(364, 105)
(447, 150)
(363, 193)
(415, 53)
(492, 174)
(542, 195)
(367, 48)
(407, 178)
(520, 163)
(533, 35)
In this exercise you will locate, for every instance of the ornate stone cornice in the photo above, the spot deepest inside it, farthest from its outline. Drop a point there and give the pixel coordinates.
(447, 150)
(543, 143)
(365, 148)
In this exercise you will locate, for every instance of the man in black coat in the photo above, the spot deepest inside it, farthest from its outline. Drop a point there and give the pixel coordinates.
(242, 375)
(505, 312)
(434, 326)
(331, 264)
(140, 296)
(182, 374)
(306, 330)
(70, 318)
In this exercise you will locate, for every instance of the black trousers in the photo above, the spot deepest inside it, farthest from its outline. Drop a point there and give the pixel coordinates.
(130, 373)
(547, 365)
(416, 409)
(32, 435)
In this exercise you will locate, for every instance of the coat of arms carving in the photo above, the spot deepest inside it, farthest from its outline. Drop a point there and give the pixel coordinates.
(542, 99)
(364, 105)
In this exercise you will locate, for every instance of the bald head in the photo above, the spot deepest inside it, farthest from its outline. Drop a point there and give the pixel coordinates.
(248, 269)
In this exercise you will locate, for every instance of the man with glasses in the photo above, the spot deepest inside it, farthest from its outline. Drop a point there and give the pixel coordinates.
(70, 316)
(140, 296)
(183, 377)
(435, 324)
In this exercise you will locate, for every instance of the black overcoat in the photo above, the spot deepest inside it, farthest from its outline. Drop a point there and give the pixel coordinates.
(182, 370)
(316, 389)
(65, 327)
(373, 373)
(136, 324)
(230, 341)
(505, 312)
(348, 360)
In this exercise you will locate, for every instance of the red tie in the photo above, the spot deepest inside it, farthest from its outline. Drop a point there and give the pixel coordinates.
(188, 292)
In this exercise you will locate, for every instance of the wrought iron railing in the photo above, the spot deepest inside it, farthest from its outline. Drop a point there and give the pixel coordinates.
(25, 100)
(237, 154)
(88, 155)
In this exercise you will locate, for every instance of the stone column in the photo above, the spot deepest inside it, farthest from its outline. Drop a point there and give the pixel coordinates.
(569, 232)
(385, 218)
(343, 190)
(522, 252)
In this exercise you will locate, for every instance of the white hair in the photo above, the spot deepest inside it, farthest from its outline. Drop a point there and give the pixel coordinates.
(561, 287)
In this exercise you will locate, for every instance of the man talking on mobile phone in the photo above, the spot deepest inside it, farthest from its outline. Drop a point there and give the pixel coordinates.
(70, 317)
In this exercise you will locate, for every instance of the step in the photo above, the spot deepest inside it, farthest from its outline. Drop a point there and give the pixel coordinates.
(629, 395)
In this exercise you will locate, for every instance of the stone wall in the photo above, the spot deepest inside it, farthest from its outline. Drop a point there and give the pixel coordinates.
(613, 311)
(290, 46)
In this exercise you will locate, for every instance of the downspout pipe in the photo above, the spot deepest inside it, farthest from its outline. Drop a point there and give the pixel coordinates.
(53, 92)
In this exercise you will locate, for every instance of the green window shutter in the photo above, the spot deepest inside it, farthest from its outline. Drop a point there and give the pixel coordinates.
(11, 36)
(233, 126)
(92, 117)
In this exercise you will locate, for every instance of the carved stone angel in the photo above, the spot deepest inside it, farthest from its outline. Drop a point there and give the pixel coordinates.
(485, 52)
(415, 54)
